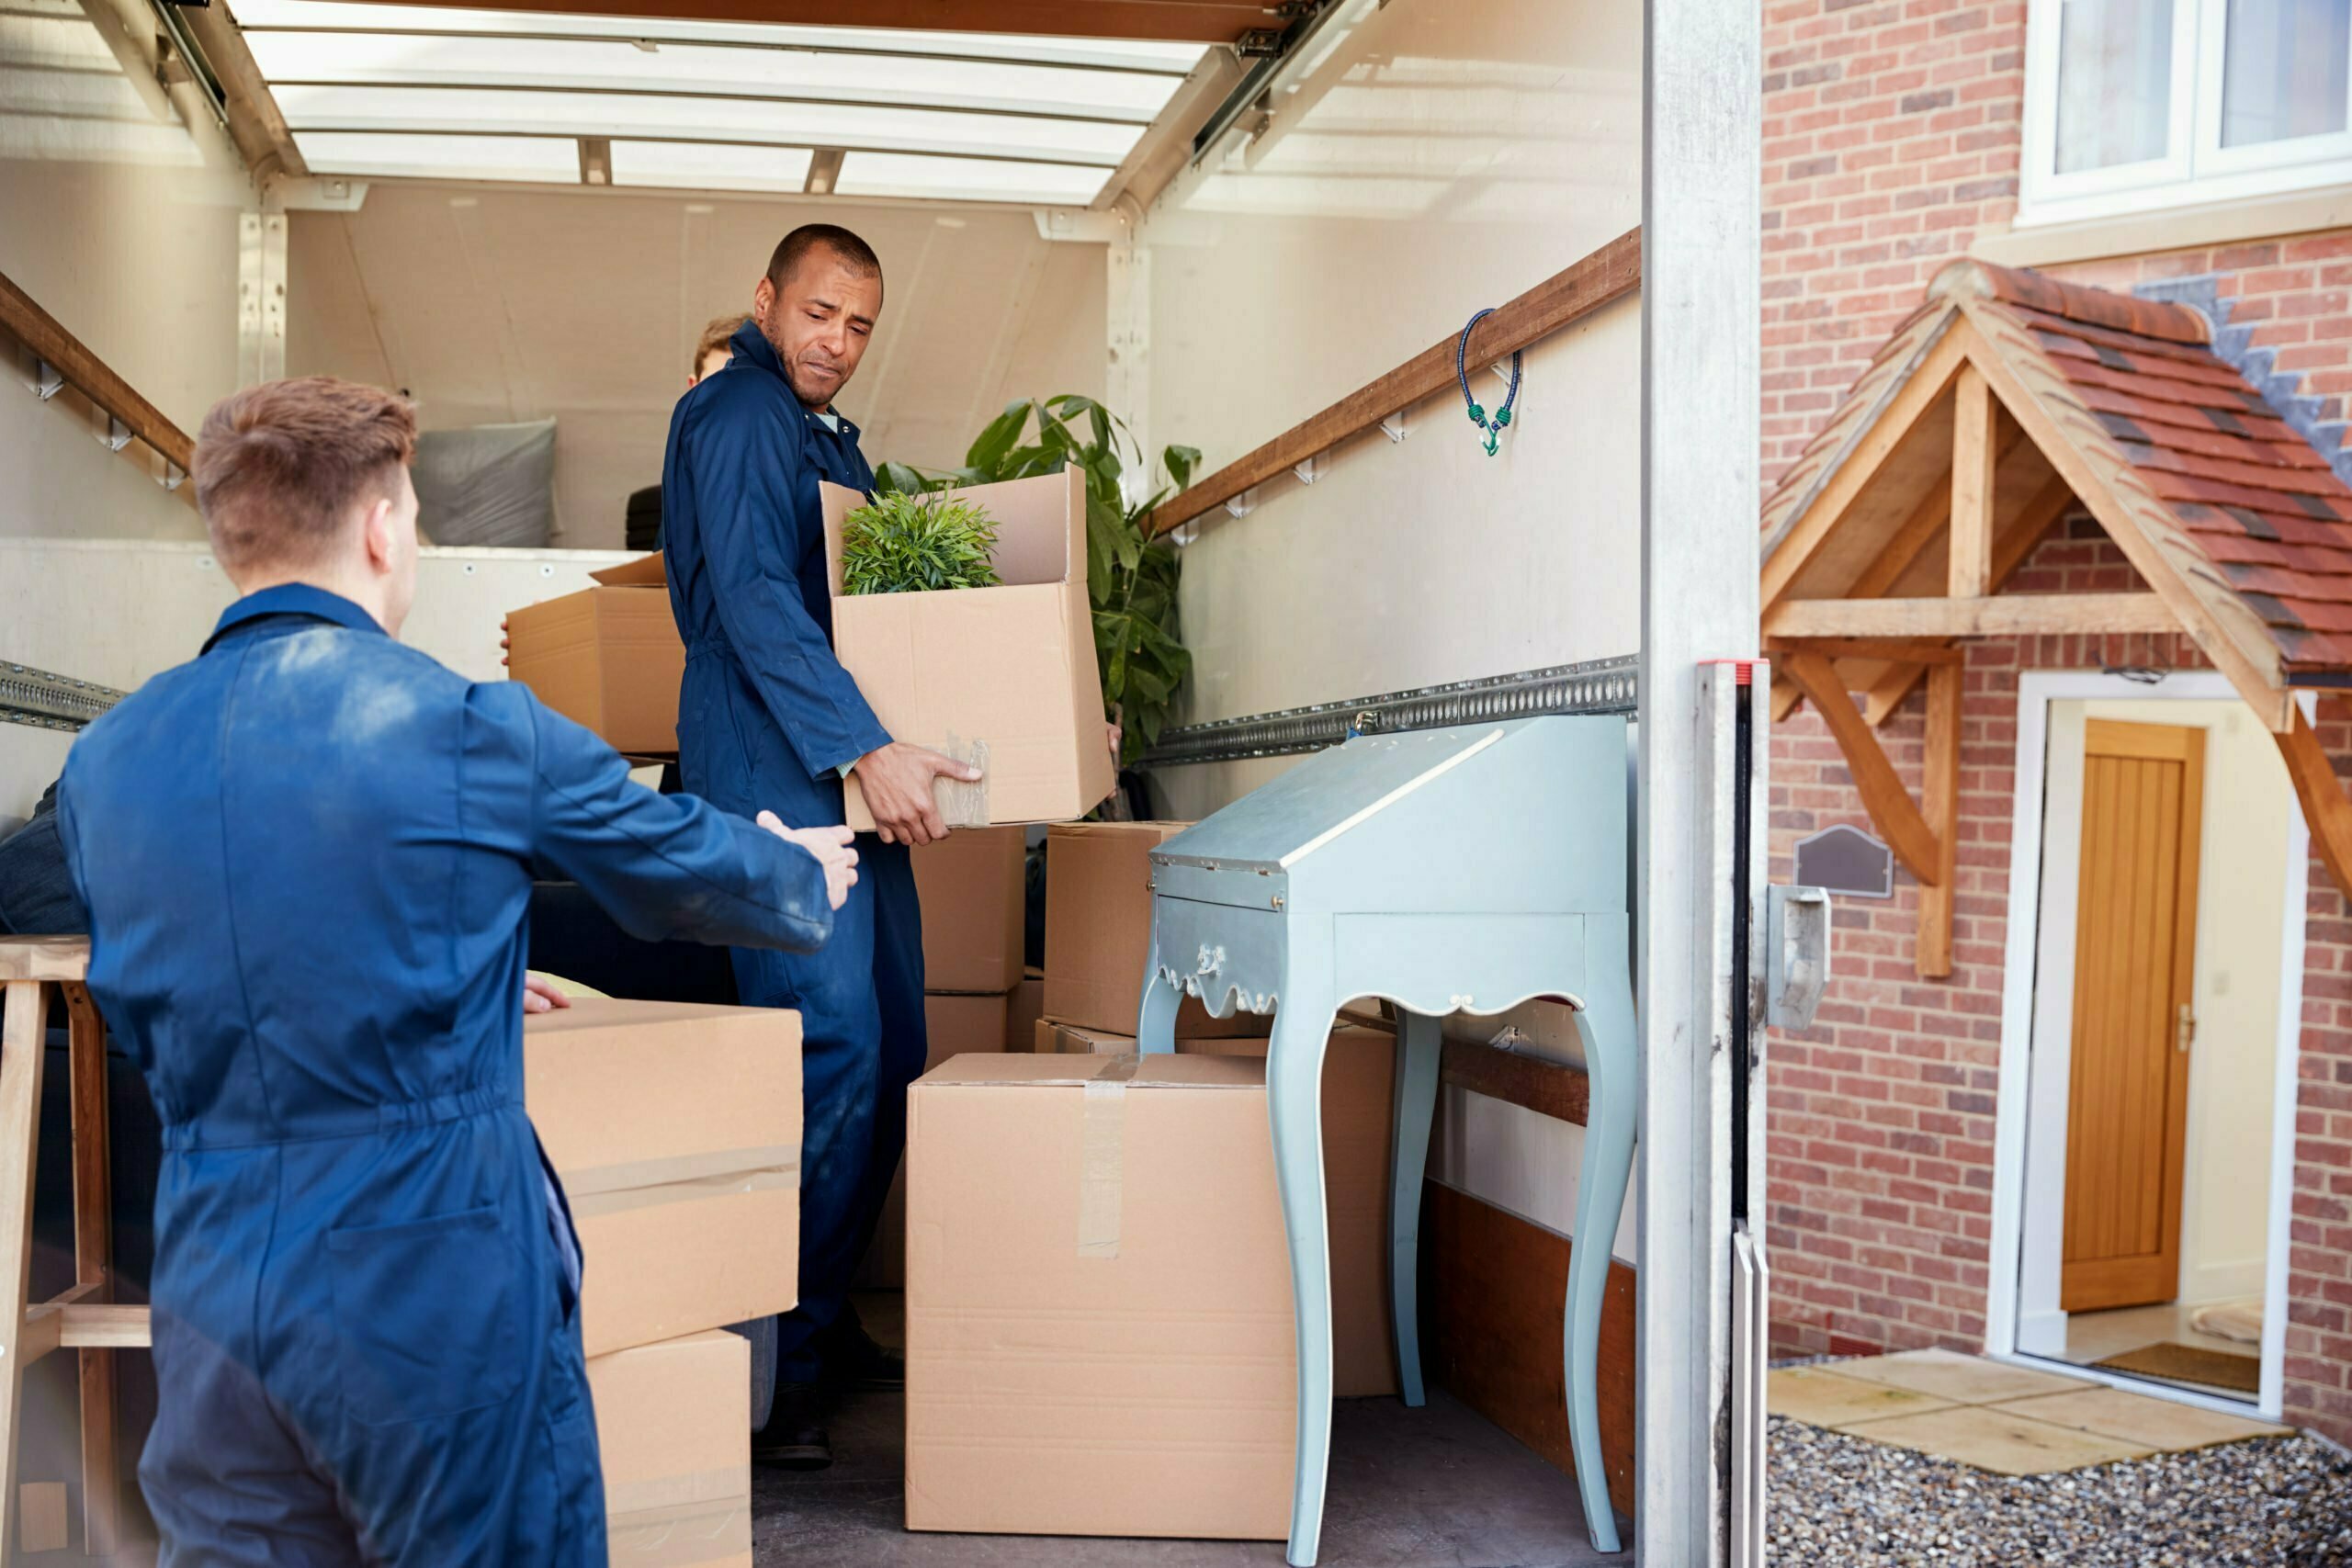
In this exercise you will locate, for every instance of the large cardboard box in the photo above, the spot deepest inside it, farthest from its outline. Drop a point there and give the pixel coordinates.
(1359, 1141)
(1025, 1011)
(674, 1426)
(1012, 667)
(955, 1026)
(973, 885)
(606, 657)
(676, 1130)
(1098, 929)
(1099, 1332)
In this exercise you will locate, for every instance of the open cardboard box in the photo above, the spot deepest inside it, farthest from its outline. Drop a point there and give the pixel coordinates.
(1010, 667)
(608, 657)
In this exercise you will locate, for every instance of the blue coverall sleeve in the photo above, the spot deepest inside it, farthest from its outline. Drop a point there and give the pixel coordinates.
(666, 867)
(747, 476)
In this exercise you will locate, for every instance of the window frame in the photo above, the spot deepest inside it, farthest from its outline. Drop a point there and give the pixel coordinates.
(2195, 169)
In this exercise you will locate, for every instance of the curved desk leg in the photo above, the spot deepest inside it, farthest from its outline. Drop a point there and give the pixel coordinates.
(1420, 1046)
(1611, 1062)
(1156, 1025)
(1294, 1107)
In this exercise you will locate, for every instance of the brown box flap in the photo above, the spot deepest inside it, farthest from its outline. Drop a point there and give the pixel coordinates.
(1026, 1070)
(645, 571)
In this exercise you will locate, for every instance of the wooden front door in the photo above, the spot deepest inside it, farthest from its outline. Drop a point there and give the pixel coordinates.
(2135, 945)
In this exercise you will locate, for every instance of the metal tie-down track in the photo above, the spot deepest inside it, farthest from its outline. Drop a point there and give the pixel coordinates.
(44, 701)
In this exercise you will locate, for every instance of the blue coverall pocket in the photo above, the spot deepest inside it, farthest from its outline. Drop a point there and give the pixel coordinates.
(427, 1316)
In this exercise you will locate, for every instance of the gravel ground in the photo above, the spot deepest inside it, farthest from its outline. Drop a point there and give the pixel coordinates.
(1839, 1502)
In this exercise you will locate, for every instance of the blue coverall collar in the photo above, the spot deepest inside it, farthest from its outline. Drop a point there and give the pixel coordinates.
(294, 599)
(751, 346)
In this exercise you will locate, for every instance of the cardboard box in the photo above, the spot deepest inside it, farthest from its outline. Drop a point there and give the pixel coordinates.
(1099, 1334)
(1098, 929)
(1012, 667)
(673, 1426)
(1359, 1138)
(1359, 1142)
(974, 888)
(608, 657)
(1073, 1039)
(1025, 1011)
(676, 1130)
(955, 1026)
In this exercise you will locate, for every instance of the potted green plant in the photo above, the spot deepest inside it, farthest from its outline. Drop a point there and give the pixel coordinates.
(899, 543)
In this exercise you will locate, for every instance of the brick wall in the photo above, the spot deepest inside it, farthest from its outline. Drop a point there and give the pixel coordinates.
(1881, 1118)
(1891, 140)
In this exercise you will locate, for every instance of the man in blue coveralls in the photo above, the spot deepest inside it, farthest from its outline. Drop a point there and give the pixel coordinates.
(767, 713)
(308, 859)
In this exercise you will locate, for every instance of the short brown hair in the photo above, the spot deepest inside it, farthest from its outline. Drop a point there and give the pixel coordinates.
(277, 465)
(714, 337)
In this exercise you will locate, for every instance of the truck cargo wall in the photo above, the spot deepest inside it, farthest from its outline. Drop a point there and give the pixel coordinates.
(120, 222)
(1440, 160)
(118, 611)
(490, 306)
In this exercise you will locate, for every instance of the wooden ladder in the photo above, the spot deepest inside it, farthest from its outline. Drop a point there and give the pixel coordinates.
(83, 1319)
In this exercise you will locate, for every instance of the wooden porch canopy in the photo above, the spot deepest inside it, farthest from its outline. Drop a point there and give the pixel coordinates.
(2007, 400)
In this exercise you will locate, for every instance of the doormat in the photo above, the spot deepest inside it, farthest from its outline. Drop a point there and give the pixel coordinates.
(2186, 1363)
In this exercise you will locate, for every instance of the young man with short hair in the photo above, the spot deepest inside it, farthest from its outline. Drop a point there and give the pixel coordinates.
(308, 858)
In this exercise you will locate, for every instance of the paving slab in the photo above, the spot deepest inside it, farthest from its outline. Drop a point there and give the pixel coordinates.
(1998, 1441)
(1962, 1380)
(2163, 1423)
(1821, 1396)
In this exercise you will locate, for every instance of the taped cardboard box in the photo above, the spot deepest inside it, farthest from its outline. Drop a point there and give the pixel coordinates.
(1098, 929)
(973, 885)
(1099, 1334)
(1011, 668)
(955, 1026)
(1359, 1142)
(608, 657)
(673, 1428)
(676, 1130)
(1025, 1011)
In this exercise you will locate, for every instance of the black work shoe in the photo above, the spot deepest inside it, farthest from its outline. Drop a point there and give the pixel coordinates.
(794, 1437)
(854, 1358)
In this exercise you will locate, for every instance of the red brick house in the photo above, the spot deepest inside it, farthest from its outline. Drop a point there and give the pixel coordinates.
(1961, 1153)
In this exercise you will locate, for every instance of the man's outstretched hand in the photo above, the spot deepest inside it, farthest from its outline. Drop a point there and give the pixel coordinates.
(829, 845)
(541, 996)
(896, 779)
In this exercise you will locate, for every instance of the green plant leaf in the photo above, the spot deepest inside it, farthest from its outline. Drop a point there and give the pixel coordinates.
(1180, 462)
(986, 455)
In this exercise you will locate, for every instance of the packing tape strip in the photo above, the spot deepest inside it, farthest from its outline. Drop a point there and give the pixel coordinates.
(964, 805)
(678, 1178)
(683, 1535)
(1103, 1156)
(686, 1489)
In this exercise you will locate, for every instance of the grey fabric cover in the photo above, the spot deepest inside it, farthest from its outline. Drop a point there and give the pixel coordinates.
(489, 484)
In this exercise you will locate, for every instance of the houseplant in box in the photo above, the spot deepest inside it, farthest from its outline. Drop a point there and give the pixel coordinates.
(1130, 575)
(899, 543)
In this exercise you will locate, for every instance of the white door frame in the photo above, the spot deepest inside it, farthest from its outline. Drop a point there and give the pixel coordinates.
(2037, 689)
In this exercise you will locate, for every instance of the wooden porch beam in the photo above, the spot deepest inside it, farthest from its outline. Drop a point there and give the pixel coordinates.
(2023, 615)
(1969, 569)
(1884, 797)
(1940, 796)
(2320, 794)
(1866, 647)
(2017, 542)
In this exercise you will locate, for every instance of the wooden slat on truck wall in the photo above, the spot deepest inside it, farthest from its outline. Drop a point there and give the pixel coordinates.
(1491, 1293)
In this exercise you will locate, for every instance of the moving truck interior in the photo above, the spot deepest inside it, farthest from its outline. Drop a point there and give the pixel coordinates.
(1257, 232)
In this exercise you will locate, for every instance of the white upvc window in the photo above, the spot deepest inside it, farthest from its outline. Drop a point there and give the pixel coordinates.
(2135, 105)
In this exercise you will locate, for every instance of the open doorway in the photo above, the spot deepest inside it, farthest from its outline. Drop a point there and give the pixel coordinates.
(2156, 901)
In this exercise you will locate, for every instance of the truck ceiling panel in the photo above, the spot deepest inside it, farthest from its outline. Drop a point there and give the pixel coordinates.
(725, 69)
(457, 110)
(966, 179)
(1106, 54)
(539, 160)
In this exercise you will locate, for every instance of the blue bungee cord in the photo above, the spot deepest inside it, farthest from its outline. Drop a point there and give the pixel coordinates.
(1493, 427)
